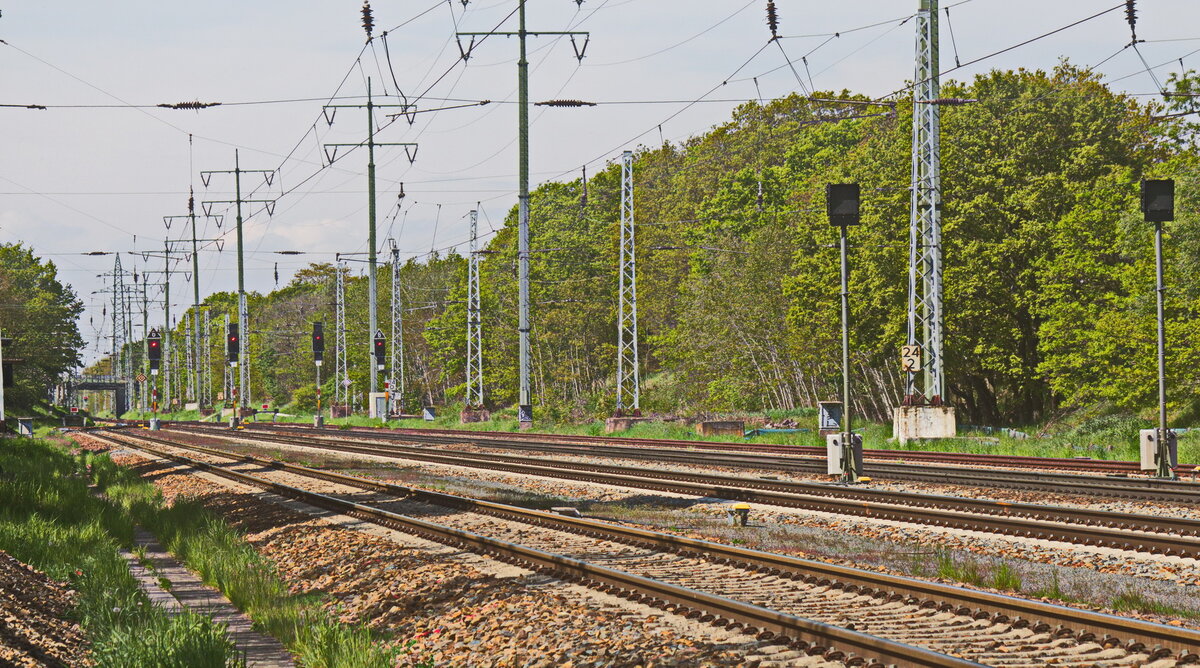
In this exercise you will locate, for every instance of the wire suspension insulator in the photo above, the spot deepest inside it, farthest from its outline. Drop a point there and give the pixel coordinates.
(368, 21)
(1131, 18)
(195, 104)
(773, 19)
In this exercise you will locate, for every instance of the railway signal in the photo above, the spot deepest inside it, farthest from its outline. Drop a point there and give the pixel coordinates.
(318, 342)
(233, 344)
(380, 350)
(154, 351)
(842, 204)
(318, 350)
(1158, 207)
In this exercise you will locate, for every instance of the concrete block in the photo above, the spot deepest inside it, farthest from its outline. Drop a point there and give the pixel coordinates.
(721, 428)
(616, 424)
(911, 423)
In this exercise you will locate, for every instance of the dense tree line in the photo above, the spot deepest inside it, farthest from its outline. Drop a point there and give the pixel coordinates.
(38, 313)
(1048, 265)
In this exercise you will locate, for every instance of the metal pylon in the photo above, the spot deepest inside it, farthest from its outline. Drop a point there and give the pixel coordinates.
(628, 379)
(206, 363)
(474, 395)
(925, 317)
(121, 362)
(342, 389)
(396, 366)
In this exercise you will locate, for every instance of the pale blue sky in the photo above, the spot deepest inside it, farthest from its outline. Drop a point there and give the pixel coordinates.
(104, 175)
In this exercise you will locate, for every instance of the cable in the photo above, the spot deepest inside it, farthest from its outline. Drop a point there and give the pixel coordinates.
(1010, 48)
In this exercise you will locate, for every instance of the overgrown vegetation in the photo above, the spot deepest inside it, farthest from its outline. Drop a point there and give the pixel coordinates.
(38, 314)
(207, 544)
(50, 520)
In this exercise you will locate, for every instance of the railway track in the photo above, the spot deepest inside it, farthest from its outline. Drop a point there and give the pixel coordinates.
(1144, 489)
(825, 609)
(1081, 464)
(1146, 533)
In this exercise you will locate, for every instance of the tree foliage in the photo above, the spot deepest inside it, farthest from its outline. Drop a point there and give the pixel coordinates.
(1049, 273)
(39, 314)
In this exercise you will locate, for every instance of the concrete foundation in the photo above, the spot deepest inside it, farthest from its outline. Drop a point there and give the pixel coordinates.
(721, 428)
(616, 424)
(911, 423)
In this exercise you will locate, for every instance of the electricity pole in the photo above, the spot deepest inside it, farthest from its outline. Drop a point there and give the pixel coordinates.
(410, 150)
(342, 389)
(474, 324)
(628, 377)
(525, 402)
(923, 413)
(195, 321)
(396, 370)
(243, 316)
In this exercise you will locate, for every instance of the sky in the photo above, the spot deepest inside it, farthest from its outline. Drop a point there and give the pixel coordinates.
(99, 168)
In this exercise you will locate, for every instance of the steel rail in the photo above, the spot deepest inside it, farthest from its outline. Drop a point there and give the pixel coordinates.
(812, 636)
(1024, 461)
(1147, 489)
(1135, 635)
(1146, 533)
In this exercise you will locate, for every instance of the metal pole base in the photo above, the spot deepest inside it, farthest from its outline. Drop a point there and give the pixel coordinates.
(155, 425)
(234, 422)
(319, 421)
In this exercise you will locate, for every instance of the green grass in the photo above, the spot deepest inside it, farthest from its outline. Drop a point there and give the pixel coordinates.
(999, 576)
(1133, 601)
(49, 520)
(225, 560)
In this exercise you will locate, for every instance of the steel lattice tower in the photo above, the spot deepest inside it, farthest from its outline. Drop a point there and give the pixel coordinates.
(628, 379)
(925, 317)
(396, 367)
(474, 324)
(342, 390)
(206, 363)
(121, 364)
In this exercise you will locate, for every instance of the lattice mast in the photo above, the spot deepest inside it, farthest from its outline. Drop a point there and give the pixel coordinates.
(121, 364)
(474, 324)
(342, 389)
(628, 378)
(925, 316)
(396, 365)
